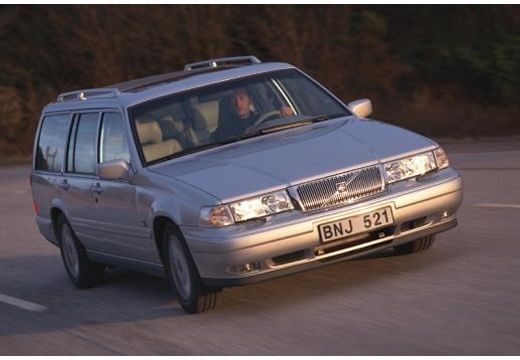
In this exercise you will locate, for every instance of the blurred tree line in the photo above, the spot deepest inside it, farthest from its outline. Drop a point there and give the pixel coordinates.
(442, 70)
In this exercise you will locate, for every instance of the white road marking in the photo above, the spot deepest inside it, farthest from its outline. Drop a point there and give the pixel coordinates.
(22, 304)
(511, 206)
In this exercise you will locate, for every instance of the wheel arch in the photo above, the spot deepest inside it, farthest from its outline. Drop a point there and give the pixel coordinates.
(159, 224)
(55, 213)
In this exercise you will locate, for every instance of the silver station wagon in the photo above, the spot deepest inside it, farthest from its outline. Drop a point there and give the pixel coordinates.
(229, 172)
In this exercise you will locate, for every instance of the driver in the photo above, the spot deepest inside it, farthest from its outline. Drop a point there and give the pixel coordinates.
(243, 122)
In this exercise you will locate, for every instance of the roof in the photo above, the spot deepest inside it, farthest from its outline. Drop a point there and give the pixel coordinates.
(132, 92)
(140, 84)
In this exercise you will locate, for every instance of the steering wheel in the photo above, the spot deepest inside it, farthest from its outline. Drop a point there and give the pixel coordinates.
(265, 117)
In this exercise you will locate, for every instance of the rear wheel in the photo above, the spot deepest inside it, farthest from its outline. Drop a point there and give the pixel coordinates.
(183, 276)
(418, 245)
(81, 271)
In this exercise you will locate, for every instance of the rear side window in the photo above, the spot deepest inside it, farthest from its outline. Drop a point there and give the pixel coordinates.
(51, 143)
(113, 144)
(84, 144)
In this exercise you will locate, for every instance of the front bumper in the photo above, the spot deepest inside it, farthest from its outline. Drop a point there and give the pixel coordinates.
(289, 242)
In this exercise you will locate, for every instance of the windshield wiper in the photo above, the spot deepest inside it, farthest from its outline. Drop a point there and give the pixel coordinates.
(297, 123)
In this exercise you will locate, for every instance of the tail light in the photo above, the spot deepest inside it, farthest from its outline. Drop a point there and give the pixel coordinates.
(35, 207)
(34, 204)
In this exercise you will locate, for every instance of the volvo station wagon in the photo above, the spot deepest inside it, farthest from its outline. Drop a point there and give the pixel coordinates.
(230, 172)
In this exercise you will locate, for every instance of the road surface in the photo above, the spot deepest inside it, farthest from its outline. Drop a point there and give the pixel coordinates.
(461, 297)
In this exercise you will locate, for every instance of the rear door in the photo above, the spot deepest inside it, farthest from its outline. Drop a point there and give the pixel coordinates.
(77, 184)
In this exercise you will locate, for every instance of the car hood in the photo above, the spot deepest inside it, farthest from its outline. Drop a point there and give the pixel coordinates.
(271, 162)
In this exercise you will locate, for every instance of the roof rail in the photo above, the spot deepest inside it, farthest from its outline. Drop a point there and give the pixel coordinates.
(236, 60)
(88, 94)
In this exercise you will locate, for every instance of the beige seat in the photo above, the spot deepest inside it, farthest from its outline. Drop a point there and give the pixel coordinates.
(175, 129)
(206, 119)
(151, 139)
(173, 126)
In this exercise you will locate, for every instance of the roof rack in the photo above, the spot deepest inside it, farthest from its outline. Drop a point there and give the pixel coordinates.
(89, 94)
(236, 60)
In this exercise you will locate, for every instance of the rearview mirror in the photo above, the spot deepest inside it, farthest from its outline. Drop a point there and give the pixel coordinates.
(361, 108)
(113, 170)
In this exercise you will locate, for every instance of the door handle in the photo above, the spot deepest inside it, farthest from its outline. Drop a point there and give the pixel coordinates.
(64, 184)
(97, 188)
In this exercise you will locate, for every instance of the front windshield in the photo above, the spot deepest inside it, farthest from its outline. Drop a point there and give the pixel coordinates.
(228, 112)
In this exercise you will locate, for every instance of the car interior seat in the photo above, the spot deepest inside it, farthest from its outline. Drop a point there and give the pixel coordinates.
(205, 121)
(172, 128)
(151, 139)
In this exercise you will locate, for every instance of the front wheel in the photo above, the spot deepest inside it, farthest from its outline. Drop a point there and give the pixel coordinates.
(82, 272)
(418, 245)
(183, 276)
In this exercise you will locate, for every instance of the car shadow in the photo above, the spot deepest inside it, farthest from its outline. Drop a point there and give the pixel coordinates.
(123, 296)
(127, 296)
(321, 284)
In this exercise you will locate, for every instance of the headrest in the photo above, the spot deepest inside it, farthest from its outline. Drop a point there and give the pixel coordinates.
(177, 125)
(207, 114)
(149, 132)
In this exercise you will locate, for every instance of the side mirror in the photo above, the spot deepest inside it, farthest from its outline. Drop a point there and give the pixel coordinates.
(361, 108)
(113, 170)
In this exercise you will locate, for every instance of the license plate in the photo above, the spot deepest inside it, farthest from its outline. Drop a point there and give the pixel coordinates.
(356, 224)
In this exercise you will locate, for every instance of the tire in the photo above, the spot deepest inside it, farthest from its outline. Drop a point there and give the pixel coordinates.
(183, 276)
(82, 272)
(415, 246)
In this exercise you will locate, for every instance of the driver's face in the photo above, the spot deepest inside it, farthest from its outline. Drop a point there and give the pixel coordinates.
(242, 103)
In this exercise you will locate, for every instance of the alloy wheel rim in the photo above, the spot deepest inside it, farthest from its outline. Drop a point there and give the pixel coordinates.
(179, 267)
(69, 251)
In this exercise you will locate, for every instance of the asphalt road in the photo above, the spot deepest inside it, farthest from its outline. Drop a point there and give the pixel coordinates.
(461, 297)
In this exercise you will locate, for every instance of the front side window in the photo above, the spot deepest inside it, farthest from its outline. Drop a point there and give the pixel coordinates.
(84, 145)
(113, 144)
(51, 143)
(228, 112)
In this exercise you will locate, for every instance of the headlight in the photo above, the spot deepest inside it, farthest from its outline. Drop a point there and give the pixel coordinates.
(441, 157)
(261, 206)
(257, 207)
(409, 167)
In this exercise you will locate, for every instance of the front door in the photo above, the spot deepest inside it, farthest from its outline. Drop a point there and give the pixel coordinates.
(124, 232)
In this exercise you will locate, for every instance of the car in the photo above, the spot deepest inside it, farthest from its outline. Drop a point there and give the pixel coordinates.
(230, 172)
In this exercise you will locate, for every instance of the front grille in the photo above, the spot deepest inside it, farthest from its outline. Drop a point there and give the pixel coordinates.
(339, 189)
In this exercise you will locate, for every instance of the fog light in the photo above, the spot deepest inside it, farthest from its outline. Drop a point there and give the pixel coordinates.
(245, 268)
(445, 214)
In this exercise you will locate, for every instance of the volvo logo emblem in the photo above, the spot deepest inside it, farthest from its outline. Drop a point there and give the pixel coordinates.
(341, 187)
